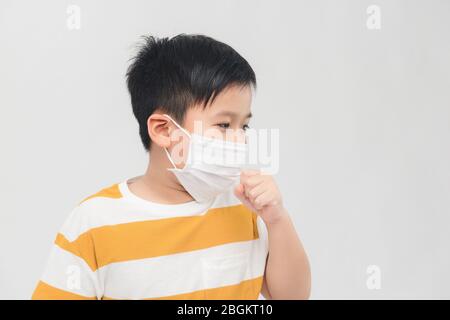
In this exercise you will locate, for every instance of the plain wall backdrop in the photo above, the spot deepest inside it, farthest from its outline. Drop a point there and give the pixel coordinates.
(364, 119)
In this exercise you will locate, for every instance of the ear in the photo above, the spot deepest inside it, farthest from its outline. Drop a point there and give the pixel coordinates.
(159, 127)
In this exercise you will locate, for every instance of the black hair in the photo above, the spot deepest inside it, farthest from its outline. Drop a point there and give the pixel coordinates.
(174, 74)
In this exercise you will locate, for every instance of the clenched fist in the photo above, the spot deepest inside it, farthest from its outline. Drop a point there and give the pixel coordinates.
(259, 193)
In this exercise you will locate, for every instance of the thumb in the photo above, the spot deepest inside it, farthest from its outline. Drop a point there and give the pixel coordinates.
(240, 194)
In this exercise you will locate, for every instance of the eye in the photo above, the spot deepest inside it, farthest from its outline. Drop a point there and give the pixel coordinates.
(223, 125)
(245, 127)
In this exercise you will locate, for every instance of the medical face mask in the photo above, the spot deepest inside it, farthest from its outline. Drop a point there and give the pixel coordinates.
(212, 167)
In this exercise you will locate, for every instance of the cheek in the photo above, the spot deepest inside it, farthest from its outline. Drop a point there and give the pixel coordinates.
(184, 150)
(214, 132)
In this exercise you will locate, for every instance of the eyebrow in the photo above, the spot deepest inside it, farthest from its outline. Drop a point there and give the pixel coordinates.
(232, 114)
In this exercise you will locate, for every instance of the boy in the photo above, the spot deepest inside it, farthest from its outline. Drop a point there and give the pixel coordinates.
(187, 228)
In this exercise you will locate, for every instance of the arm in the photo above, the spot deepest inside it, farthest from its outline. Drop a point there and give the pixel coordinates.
(70, 273)
(287, 274)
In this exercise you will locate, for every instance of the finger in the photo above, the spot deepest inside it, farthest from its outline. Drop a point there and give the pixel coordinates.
(263, 200)
(256, 191)
(239, 192)
(245, 174)
(253, 181)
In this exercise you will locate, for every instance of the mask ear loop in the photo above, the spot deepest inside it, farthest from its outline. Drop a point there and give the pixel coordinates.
(179, 127)
(170, 158)
(182, 129)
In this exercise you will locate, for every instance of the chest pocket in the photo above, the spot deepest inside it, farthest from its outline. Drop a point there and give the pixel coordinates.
(223, 276)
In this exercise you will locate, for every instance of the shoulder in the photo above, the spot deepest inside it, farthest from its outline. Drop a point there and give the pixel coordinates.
(110, 192)
(92, 211)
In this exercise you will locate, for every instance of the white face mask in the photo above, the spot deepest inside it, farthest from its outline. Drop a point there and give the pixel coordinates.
(213, 166)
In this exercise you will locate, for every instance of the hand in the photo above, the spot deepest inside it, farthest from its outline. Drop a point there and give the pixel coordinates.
(259, 193)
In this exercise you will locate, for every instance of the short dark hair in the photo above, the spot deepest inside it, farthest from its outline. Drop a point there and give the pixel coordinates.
(174, 74)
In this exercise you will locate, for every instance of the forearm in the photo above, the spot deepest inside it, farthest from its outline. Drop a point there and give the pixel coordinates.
(287, 271)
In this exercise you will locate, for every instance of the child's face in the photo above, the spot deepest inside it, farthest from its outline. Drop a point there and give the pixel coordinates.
(226, 118)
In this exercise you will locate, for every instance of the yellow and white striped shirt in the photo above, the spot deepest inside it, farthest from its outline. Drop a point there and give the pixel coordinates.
(115, 245)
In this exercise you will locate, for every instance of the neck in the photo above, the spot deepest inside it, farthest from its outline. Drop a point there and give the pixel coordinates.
(158, 184)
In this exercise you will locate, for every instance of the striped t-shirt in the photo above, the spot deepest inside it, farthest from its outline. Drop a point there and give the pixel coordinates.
(116, 245)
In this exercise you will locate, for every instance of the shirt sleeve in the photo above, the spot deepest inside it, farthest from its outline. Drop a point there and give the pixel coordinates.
(71, 269)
